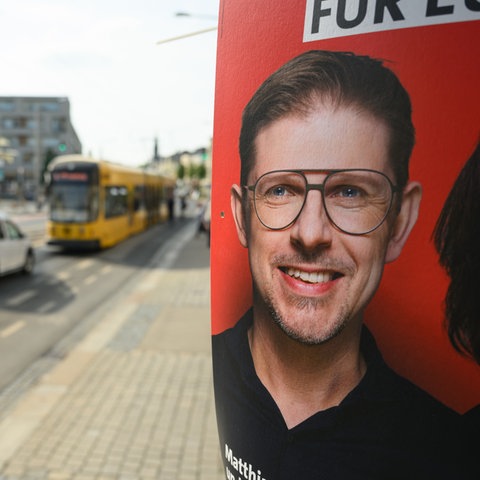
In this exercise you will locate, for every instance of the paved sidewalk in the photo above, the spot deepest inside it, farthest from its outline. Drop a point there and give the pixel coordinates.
(133, 400)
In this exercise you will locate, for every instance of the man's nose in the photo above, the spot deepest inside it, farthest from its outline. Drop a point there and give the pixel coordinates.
(312, 228)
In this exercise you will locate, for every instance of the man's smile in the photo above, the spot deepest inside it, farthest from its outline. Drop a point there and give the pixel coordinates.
(311, 277)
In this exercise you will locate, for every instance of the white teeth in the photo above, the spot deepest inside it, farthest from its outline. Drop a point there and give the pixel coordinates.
(312, 277)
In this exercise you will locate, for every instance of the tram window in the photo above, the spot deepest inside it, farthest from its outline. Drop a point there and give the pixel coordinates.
(73, 202)
(139, 198)
(116, 203)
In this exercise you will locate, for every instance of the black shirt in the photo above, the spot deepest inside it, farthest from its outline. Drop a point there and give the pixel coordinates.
(385, 428)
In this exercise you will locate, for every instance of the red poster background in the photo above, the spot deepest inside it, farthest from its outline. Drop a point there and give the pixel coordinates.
(439, 67)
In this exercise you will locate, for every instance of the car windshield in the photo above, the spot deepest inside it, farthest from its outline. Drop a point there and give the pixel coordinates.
(12, 231)
(73, 202)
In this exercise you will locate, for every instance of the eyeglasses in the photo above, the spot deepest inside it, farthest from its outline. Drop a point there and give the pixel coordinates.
(356, 201)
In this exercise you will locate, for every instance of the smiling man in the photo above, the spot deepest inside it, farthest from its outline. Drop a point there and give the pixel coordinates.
(324, 202)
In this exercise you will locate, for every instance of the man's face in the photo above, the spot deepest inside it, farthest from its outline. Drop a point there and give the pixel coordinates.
(312, 279)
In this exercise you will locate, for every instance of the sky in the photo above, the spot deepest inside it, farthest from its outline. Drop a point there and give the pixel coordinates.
(124, 89)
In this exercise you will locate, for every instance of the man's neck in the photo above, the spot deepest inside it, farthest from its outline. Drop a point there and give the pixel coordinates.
(305, 379)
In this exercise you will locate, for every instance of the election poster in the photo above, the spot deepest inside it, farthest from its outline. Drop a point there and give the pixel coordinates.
(432, 47)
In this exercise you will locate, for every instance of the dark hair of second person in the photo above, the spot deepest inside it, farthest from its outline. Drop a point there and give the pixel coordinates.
(457, 240)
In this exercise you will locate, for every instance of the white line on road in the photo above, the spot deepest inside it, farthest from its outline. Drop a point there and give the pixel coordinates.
(90, 279)
(106, 269)
(47, 307)
(22, 297)
(84, 264)
(11, 329)
(63, 275)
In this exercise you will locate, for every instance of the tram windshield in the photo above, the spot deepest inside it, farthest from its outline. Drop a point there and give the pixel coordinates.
(73, 197)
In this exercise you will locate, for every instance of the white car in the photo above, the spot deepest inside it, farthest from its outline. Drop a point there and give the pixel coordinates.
(16, 251)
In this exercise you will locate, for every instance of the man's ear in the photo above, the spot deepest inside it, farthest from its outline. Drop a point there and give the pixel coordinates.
(405, 221)
(236, 204)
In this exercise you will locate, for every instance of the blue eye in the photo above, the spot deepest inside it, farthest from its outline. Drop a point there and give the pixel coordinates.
(349, 192)
(278, 191)
(278, 195)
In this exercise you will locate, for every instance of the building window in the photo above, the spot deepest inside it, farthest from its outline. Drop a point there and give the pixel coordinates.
(8, 123)
(50, 142)
(7, 106)
(50, 107)
(115, 201)
(59, 125)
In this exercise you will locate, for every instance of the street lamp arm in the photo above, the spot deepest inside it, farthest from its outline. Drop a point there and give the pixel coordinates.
(196, 15)
(186, 35)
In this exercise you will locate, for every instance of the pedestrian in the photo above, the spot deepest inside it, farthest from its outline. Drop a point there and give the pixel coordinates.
(171, 203)
(183, 202)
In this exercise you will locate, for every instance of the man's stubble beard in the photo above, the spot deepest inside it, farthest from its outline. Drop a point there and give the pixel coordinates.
(311, 307)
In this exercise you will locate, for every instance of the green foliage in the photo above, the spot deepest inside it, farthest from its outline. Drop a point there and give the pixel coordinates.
(181, 172)
(202, 171)
(49, 156)
(193, 172)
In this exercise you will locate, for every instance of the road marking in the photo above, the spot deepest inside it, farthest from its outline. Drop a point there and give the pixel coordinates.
(106, 269)
(47, 307)
(39, 242)
(22, 297)
(90, 279)
(63, 276)
(84, 264)
(11, 329)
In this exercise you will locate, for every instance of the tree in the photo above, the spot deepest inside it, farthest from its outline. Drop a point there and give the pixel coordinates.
(201, 171)
(49, 156)
(181, 172)
(192, 171)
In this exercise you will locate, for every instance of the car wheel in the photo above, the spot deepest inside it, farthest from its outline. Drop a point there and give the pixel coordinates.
(29, 262)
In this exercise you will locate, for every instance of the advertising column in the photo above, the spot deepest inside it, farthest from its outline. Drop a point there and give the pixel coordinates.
(340, 129)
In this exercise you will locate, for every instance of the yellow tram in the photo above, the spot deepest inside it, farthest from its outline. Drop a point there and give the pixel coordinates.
(96, 204)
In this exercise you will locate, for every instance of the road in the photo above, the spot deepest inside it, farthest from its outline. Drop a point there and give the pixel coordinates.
(37, 311)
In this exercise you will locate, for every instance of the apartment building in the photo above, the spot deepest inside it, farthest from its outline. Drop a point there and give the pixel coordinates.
(32, 129)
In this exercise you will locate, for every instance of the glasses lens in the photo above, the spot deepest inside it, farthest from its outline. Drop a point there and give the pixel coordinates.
(357, 201)
(279, 197)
